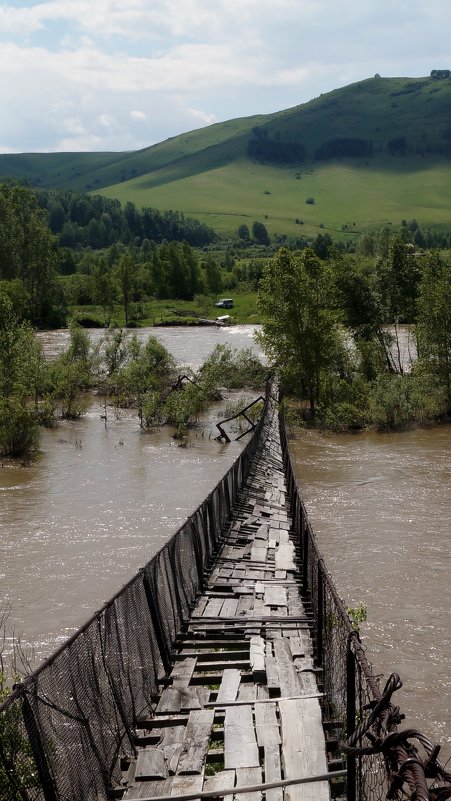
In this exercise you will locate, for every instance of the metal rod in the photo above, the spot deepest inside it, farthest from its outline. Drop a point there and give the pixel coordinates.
(253, 788)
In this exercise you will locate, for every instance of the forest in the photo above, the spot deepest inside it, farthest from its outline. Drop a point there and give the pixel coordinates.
(329, 315)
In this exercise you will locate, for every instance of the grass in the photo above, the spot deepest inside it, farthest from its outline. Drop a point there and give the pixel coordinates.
(178, 312)
(350, 197)
(206, 173)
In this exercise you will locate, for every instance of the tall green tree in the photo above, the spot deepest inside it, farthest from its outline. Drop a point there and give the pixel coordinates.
(434, 321)
(29, 252)
(300, 329)
(19, 372)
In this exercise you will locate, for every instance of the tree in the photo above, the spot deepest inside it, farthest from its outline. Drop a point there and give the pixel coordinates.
(259, 233)
(300, 332)
(243, 232)
(29, 251)
(434, 321)
(19, 354)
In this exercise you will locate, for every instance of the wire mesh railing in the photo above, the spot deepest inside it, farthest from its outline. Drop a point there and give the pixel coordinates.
(382, 762)
(65, 728)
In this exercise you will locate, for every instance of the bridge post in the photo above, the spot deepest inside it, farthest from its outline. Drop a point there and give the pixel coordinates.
(351, 721)
(320, 613)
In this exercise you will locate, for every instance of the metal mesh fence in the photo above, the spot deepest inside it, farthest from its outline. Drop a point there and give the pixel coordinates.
(65, 728)
(348, 682)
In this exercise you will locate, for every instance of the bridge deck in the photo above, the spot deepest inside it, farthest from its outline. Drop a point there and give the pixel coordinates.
(243, 703)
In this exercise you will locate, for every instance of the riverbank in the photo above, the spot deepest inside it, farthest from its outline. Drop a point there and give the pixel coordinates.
(169, 312)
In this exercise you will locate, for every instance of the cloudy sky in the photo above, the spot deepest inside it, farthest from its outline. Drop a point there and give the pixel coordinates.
(124, 74)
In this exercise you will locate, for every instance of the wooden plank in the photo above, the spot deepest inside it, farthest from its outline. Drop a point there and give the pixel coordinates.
(266, 725)
(213, 608)
(303, 748)
(229, 607)
(200, 608)
(182, 673)
(229, 685)
(259, 552)
(247, 777)
(223, 780)
(150, 764)
(301, 645)
(257, 654)
(195, 743)
(149, 789)
(169, 702)
(273, 772)
(272, 673)
(240, 745)
(288, 675)
(187, 784)
(275, 596)
(172, 747)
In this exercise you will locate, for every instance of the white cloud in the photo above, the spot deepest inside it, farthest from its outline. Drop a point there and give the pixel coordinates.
(171, 65)
(203, 116)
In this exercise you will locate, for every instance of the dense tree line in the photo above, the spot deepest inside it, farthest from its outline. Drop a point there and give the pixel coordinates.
(80, 220)
(42, 279)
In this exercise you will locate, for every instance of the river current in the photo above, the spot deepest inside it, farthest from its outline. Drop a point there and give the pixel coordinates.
(102, 499)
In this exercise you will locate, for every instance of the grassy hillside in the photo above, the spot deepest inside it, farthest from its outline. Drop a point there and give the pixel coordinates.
(208, 174)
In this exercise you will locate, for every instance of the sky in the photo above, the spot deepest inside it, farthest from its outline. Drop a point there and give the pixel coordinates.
(112, 75)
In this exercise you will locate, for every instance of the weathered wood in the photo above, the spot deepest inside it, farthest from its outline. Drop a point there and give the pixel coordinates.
(273, 772)
(266, 725)
(240, 746)
(223, 780)
(275, 596)
(272, 673)
(246, 777)
(303, 748)
(195, 744)
(229, 686)
(187, 784)
(150, 764)
(257, 654)
(288, 675)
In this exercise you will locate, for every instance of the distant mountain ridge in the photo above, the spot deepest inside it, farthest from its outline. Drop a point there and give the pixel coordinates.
(378, 128)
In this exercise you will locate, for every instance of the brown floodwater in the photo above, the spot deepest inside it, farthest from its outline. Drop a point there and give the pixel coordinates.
(380, 507)
(99, 502)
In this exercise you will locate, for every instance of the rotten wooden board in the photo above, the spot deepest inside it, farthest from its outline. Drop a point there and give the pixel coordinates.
(195, 743)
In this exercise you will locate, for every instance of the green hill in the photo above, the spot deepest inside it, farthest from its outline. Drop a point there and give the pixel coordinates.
(369, 153)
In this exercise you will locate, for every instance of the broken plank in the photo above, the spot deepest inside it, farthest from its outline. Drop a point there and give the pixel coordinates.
(195, 744)
(150, 764)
